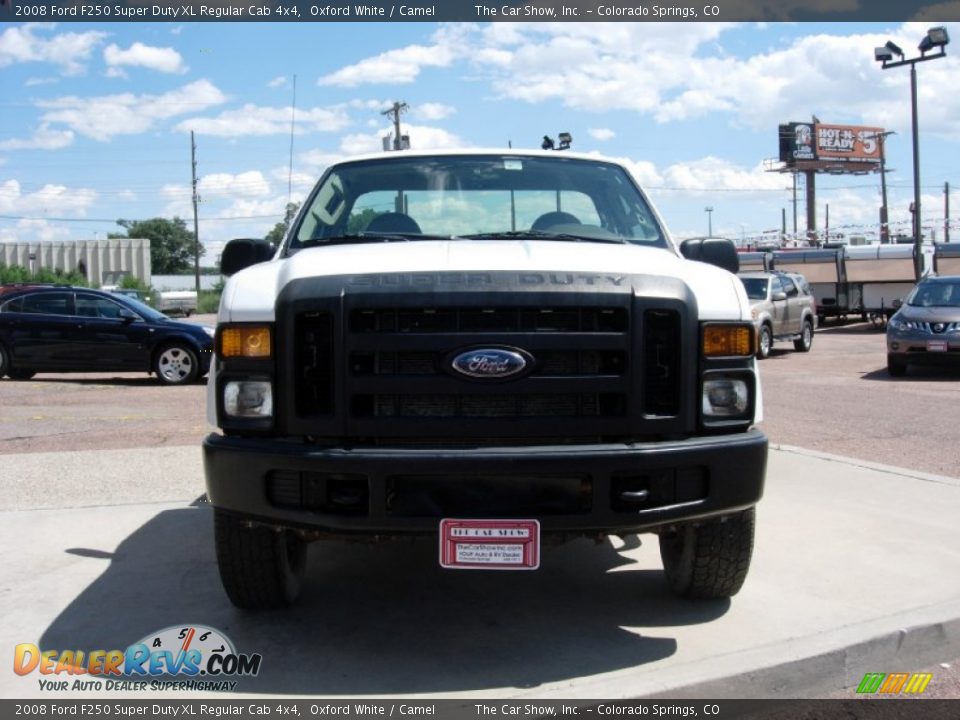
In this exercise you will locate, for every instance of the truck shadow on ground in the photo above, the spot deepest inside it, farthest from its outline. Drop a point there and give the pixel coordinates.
(385, 619)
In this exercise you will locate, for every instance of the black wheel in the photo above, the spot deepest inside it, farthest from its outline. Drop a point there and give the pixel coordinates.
(710, 560)
(20, 373)
(176, 364)
(4, 362)
(764, 342)
(260, 568)
(805, 341)
(895, 366)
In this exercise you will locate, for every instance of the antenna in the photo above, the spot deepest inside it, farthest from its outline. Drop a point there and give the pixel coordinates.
(293, 119)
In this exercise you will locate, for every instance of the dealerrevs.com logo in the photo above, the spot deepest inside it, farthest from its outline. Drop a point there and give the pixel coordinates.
(180, 657)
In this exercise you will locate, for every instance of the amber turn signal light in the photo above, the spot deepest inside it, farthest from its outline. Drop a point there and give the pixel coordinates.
(245, 341)
(728, 340)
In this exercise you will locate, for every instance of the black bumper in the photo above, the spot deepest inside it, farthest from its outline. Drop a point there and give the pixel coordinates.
(578, 489)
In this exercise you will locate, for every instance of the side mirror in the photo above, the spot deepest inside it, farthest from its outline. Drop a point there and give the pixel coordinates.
(242, 253)
(714, 251)
(128, 316)
(778, 296)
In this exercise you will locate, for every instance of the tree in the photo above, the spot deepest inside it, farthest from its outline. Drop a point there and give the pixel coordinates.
(172, 246)
(275, 236)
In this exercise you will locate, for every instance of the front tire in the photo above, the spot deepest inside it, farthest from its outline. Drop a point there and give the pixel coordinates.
(764, 342)
(805, 341)
(709, 561)
(260, 568)
(895, 366)
(176, 364)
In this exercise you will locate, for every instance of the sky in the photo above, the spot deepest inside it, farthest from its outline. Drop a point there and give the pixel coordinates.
(97, 117)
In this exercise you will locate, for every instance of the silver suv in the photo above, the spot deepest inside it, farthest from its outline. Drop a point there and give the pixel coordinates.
(782, 307)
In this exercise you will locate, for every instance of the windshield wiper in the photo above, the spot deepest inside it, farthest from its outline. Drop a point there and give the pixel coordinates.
(368, 237)
(541, 235)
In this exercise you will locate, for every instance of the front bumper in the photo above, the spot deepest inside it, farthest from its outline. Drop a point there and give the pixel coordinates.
(570, 489)
(921, 348)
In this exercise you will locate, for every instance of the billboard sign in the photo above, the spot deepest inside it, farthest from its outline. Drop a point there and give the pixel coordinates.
(848, 142)
(831, 144)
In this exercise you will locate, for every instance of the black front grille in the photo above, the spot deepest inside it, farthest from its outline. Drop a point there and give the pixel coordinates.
(604, 365)
(313, 363)
(489, 319)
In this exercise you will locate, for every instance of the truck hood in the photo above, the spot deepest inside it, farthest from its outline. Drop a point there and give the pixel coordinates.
(249, 295)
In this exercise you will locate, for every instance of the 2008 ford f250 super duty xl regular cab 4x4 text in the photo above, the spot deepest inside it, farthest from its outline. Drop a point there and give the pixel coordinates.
(489, 347)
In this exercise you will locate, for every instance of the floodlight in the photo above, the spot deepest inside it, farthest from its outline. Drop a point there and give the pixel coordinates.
(882, 54)
(565, 139)
(936, 37)
(547, 143)
(894, 48)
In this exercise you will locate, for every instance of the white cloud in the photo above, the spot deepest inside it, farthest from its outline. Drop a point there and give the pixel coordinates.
(712, 173)
(71, 51)
(250, 184)
(165, 60)
(37, 81)
(394, 67)
(421, 138)
(48, 200)
(256, 120)
(106, 116)
(601, 134)
(279, 82)
(433, 111)
(675, 72)
(30, 230)
(42, 139)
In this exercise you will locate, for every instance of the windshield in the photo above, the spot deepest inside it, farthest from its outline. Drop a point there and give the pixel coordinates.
(409, 197)
(935, 294)
(141, 308)
(756, 288)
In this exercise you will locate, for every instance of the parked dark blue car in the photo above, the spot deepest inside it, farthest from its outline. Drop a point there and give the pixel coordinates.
(58, 328)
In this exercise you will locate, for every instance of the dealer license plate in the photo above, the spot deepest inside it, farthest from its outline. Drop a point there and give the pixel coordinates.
(936, 345)
(490, 544)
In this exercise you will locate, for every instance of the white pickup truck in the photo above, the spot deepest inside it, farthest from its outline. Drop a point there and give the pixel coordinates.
(487, 348)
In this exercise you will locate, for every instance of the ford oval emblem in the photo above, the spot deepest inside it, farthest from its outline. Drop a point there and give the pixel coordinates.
(490, 363)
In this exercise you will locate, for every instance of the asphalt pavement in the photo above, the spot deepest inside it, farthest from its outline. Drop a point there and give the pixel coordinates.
(854, 571)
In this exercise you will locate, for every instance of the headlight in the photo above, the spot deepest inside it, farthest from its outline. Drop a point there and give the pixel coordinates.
(248, 398)
(725, 397)
(209, 331)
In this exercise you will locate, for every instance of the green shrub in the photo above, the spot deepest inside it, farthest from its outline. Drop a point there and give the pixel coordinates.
(208, 301)
(19, 274)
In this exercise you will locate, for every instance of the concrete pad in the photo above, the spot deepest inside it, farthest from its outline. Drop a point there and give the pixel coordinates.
(854, 571)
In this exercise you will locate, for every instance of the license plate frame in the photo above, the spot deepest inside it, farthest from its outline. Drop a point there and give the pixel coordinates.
(939, 346)
(489, 544)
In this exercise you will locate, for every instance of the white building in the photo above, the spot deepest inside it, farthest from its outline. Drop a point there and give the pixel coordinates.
(101, 261)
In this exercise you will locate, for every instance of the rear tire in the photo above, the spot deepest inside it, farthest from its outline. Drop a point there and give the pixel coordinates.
(260, 568)
(764, 342)
(710, 560)
(805, 341)
(895, 366)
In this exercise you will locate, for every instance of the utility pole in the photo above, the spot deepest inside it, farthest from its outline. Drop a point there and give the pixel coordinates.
(946, 212)
(884, 212)
(196, 225)
(395, 111)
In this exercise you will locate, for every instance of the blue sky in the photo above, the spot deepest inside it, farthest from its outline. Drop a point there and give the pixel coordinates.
(97, 118)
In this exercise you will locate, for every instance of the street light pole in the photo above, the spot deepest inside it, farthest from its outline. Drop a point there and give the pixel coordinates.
(936, 38)
(917, 225)
(709, 211)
